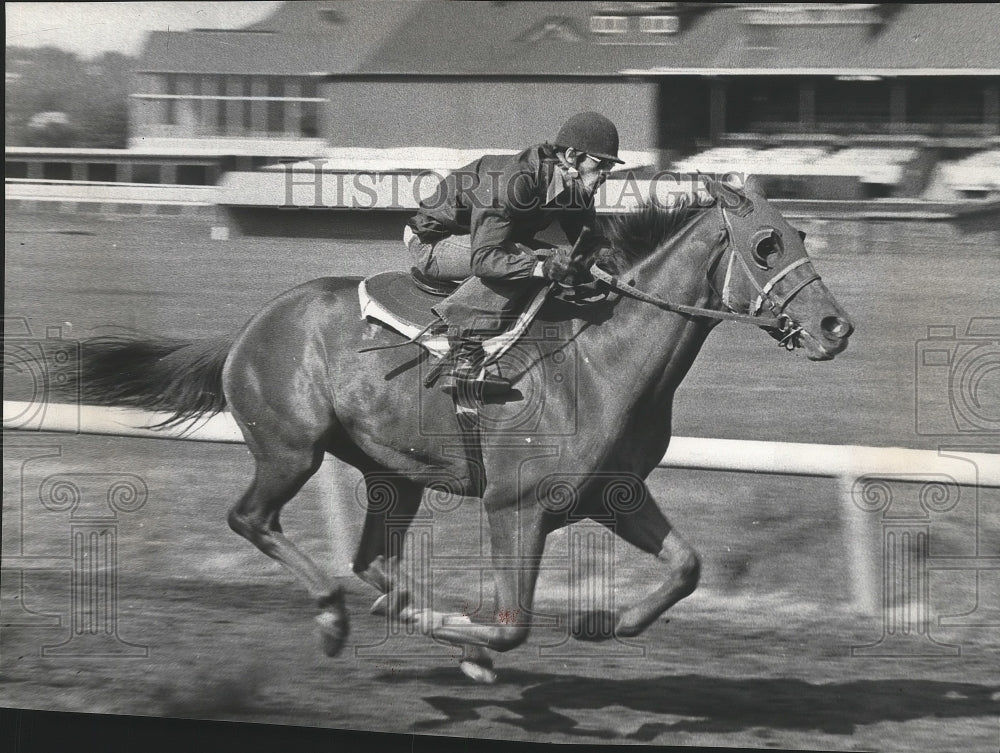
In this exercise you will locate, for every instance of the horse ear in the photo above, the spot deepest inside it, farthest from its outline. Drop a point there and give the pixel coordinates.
(753, 184)
(722, 193)
(728, 197)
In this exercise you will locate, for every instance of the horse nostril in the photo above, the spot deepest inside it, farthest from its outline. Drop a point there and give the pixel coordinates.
(836, 327)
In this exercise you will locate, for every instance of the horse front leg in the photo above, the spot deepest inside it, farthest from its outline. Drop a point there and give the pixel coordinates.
(517, 536)
(648, 529)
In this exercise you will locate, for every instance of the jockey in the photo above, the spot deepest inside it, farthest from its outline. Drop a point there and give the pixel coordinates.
(479, 228)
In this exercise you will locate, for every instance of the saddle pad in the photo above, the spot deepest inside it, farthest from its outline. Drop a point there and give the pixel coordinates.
(392, 299)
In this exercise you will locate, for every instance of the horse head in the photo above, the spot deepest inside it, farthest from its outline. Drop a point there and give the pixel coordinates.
(769, 273)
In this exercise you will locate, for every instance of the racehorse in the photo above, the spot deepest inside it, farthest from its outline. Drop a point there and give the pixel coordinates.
(588, 420)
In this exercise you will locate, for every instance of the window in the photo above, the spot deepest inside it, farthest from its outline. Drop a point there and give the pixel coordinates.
(660, 24)
(852, 101)
(170, 117)
(946, 100)
(609, 24)
(15, 170)
(772, 101)
(309, 122)
(246, 83)
(559, 28)
(232, 105)
(101, 172)
(57, 171)
(192, 175)
(145, 173)
(275, 108)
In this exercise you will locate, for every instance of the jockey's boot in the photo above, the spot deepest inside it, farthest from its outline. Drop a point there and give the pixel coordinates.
(467, 371)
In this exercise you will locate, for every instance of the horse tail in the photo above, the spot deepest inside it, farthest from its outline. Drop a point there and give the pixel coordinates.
(181, 377)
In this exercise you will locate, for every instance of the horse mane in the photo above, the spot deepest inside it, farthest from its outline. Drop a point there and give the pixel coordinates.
(636, 234)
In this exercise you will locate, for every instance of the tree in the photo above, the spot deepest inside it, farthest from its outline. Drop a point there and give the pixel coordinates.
(91, 95)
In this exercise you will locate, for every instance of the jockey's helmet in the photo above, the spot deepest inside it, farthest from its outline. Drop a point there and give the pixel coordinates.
(592, 133)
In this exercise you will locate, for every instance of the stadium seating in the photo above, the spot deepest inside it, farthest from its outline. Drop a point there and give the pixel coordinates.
(355, 159)
(977, 173)
(882, 165)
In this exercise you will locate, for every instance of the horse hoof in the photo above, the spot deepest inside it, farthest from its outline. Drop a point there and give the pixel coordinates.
(482, 673)
(477, 664)
(333, 630)
(392, 603)
(598, 625)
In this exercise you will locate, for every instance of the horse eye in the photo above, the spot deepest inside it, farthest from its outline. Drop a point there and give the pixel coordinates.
(765, 248)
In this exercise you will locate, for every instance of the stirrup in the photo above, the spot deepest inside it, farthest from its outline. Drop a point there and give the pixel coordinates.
(465, 375)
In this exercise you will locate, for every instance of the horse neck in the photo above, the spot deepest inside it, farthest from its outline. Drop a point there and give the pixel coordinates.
(652, 348)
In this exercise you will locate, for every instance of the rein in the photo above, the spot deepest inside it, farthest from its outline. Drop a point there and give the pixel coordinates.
(633, 292)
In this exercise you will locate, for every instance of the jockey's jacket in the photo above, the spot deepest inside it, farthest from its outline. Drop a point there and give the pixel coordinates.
(501, 200)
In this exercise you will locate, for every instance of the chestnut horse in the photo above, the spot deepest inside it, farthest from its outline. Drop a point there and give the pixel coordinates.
(590, 412)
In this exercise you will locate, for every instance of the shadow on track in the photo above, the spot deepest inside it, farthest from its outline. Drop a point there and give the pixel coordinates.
(713, 704)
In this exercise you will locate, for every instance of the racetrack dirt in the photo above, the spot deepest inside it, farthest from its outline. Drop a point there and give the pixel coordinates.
(761, 656)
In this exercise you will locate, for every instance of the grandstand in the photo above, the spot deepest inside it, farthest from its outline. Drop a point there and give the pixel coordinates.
(851, 102)
(974, 176)
(805, 171)
(836, 101)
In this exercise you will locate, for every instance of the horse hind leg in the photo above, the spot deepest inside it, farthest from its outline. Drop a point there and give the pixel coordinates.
(392, 503)
(278, 477)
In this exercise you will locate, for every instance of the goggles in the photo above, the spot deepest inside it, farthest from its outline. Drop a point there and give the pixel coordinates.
(604, 165)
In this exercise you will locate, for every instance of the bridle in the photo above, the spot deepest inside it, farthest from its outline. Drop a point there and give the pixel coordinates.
(779, 322)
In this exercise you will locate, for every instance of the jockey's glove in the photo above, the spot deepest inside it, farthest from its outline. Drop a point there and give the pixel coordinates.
(562, 268)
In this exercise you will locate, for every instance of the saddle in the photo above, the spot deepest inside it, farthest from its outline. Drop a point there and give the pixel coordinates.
(395, 300)
(402, 301)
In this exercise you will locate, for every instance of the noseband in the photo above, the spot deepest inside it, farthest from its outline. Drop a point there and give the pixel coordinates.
(780, 322)
(764, 292)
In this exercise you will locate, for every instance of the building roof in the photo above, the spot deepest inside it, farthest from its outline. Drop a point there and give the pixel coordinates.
(300, 38)
(488, 39)
(436, 37)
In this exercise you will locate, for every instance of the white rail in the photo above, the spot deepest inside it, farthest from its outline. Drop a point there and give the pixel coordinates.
(846, 463)
(121, 193)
